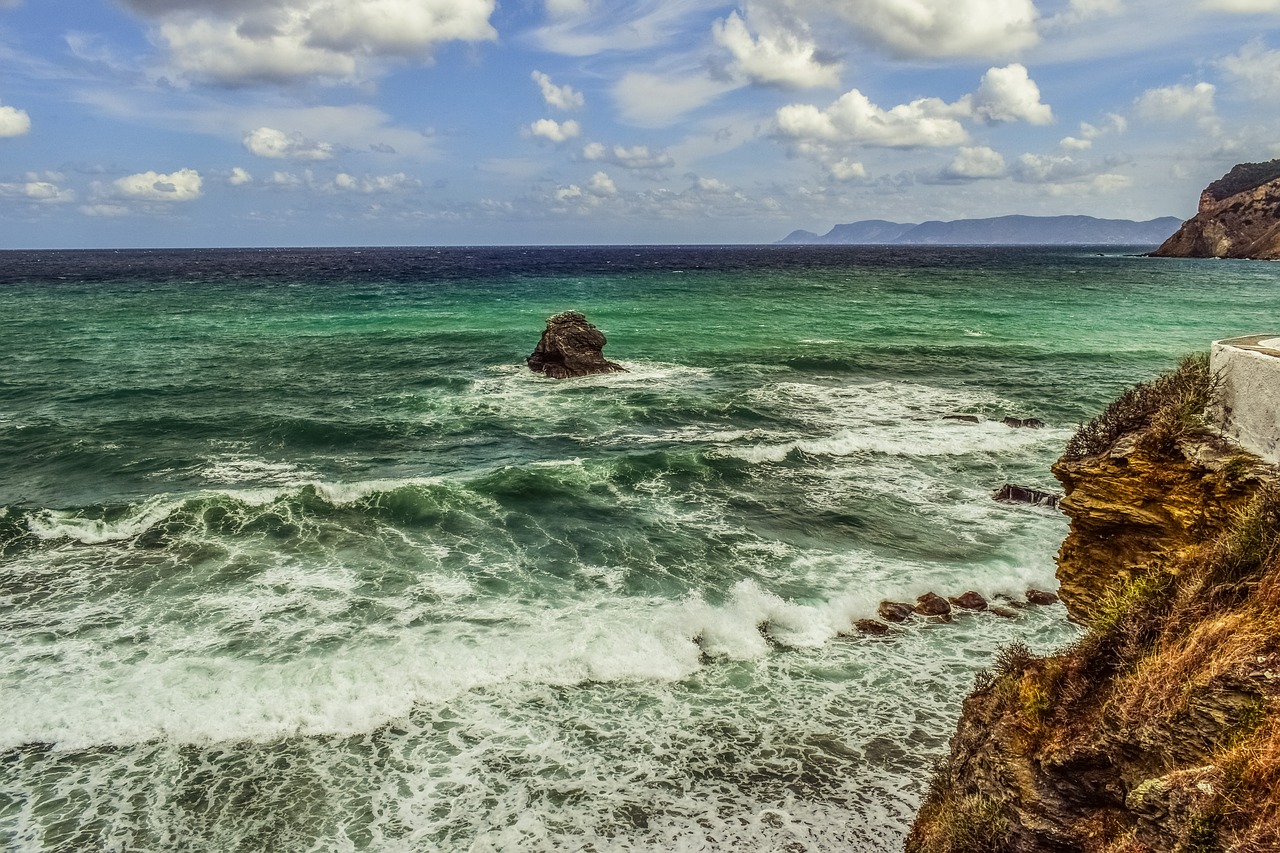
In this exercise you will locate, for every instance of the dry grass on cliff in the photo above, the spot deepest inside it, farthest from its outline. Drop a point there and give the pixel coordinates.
(1167, 408)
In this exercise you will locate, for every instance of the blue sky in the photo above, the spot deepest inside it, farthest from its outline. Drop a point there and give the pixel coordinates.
(421, 122)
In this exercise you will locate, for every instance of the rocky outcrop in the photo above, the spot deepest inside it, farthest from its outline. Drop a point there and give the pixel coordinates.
(569, 347)
(1133, 508)
(1159, 730)
(1239, 217)
(1014, 494)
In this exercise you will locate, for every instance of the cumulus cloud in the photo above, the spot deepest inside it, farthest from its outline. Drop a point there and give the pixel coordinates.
(376, 184)
(926, 28)
(1062, 174)
(972, 163)
(927, 122)
(278, 145)
(1003, 95)
(1255, 70)
(182, 185)
(637, 157)
(239, 177)
(1115, 123)
(38, 188)
(1172, 103)
(779, 57)
(547, 128)
(279, 41)
(602, 185)
(14, 122)
(847, 170)
(558, 97)
(1009, 94)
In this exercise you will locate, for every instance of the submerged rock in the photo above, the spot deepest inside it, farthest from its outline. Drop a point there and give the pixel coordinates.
(1023, 423)
(968, 419)
(1013, 494)
(932, 604)
(874, 627)
(569, 347)
(895, 611)
(968, 601)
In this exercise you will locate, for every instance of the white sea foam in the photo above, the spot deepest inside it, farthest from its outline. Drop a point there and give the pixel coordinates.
(59, 524)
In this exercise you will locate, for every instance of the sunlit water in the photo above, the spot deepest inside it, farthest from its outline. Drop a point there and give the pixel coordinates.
(297, 555)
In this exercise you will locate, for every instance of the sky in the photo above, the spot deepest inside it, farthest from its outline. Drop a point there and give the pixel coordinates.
(158, 123)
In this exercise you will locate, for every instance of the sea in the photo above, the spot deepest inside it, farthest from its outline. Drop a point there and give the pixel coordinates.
(296, 554)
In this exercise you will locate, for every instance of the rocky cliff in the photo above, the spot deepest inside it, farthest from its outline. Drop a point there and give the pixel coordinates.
(1239, 217)
(1159, 730)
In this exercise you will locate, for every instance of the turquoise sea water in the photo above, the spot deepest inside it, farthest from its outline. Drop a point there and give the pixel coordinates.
(297, 555)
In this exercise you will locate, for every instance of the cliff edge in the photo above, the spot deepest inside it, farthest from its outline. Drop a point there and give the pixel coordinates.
(1159, 730)
(1239, 217)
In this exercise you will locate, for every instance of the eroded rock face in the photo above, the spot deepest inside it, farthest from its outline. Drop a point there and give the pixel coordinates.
(1239, 217)
(569, 347)
(1130, 510)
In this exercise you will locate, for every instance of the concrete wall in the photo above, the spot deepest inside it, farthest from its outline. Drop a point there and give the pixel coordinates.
(1248, 408)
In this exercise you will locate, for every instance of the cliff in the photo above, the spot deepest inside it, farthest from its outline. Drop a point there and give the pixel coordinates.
(1239, 217)
(1159, 730)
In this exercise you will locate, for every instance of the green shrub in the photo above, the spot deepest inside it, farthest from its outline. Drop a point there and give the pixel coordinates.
(1171, 406)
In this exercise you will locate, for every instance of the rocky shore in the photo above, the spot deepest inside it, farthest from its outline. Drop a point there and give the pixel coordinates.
(1238, 217)
(1160, 729)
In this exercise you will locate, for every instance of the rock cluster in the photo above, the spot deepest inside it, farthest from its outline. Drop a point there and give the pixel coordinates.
(933, 605)
(570, 347)
(1239, 217)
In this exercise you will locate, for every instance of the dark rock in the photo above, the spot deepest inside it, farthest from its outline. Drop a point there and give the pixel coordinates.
(872, 626)
(1002, 612)
(968, 419)
(569, 347)
(1039, 596)
(1023, 423)
(969, 601)
(1013, 494)
(932, 604)
(895, 611)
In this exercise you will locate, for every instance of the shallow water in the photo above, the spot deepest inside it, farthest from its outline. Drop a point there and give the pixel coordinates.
(298, 556)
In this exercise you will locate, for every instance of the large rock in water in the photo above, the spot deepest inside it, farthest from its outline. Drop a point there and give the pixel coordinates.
(1239, 217)
(570, 346)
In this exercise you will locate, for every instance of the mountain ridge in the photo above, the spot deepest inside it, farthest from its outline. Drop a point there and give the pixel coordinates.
(1010, 230)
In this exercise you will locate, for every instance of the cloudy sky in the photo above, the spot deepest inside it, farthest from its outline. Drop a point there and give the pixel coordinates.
(382, 122)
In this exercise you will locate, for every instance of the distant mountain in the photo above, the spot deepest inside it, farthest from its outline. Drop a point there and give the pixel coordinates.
(997, 231)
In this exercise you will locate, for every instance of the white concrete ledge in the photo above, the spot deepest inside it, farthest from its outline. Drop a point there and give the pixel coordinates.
(1247, 409)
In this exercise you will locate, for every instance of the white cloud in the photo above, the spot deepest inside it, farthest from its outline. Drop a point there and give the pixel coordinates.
(376, 184)
(559, 97)
(1072, 143)
(14, 122)
(588, 28)
(1171, 103)
(975, 162)
(656, 100)
(280, 41)
(847, 170)
(288, 180)
(239, 177)
(182, 185)
(1255, 70)
(1065, 175)
(779, 57)
(853, 119)
(278, 145)
(39, 189)
(546, 128)
(933, 28)
(602, 185)
(636, 157)
(1009, 94)
(104, 209)
(1244, 7)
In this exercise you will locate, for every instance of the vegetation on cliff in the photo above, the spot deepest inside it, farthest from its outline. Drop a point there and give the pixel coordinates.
(1159, 730)
(1238, 217)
